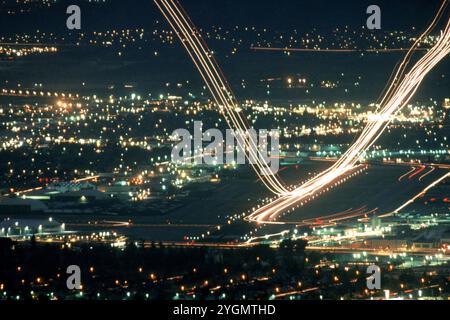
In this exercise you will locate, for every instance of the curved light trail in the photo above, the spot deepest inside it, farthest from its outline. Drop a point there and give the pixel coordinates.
(219, 88)
(400, 90)
(422, 169)
(407, 174)
(394, 101)
(428, 173)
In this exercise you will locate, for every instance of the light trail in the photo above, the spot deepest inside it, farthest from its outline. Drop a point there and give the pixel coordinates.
(90, 178)
(398, 94)
(395, 99)
(321, 219)
(422, 169)
(296, 292)
(363, 213)
(268, 236)
(219, 88)
(421, 194)
(426, 174)
(334, 219)
(407, 174)
(381, 50)
(320, 222)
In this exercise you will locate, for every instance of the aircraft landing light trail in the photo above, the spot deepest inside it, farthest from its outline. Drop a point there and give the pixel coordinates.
(400, 91)
(219, 88)
(422, 193)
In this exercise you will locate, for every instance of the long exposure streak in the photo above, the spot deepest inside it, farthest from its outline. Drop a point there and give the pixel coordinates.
(399, 91)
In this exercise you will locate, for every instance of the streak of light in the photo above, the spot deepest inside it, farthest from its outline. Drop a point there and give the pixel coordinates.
(422, 169)
(333, 219)
(398, 93)
(219, 88)
(382, 50)
(268, 236)
(421, 194)
(428, 173)
(395, 99)
(90, 178)
(296, 292)
(407, 174)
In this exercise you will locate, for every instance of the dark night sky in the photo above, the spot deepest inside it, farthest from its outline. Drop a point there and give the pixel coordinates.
(305, 14)
(279, 14)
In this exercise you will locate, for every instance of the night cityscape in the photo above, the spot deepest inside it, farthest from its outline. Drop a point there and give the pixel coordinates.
(224, 150)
